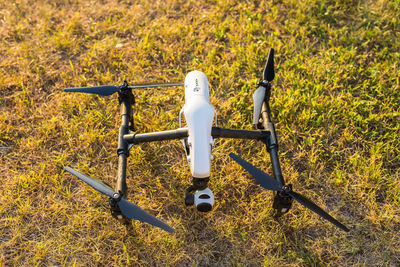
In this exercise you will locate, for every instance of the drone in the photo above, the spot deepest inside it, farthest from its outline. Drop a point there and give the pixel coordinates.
(198, 140)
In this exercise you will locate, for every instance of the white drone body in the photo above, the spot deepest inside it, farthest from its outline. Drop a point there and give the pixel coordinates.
(199, 116)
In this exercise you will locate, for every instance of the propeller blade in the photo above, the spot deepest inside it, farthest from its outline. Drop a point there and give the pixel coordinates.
(96, 184)
(258, 99)
(129, 209)
(269, 71)
(262, 178)
(141, 86)
(310, 205)
(133, 211)
(259, 94)
(103, 90)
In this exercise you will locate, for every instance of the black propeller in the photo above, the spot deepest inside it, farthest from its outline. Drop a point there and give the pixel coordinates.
(127, 208)
(270, 183)
(106, 90)
(259, 94)
(142, 86)
(269, 71)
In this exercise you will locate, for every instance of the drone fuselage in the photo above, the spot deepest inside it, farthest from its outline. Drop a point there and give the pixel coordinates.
(199, 116)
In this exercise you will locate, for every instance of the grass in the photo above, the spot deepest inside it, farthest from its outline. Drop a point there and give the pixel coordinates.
(335, 102)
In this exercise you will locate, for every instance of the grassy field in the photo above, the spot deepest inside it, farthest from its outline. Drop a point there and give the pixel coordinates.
(335, 101)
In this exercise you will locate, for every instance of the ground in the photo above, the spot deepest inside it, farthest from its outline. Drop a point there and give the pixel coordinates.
(335, 101)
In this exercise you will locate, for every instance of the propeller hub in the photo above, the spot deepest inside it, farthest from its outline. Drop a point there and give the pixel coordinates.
(124, 86)
(286, 188)
(116, 196)
(263, 83)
